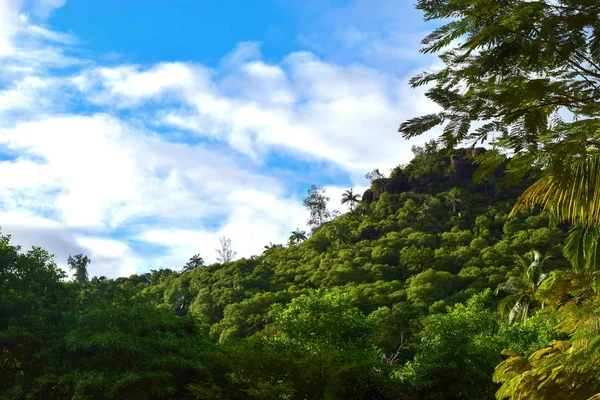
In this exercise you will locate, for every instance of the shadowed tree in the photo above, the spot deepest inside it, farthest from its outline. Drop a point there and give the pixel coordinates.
(350, 198)
(195, 261)
(297, 236)
(272, 246)
(78, 263)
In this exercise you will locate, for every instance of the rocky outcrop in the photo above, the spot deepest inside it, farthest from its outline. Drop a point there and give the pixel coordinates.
(463, 167)
(461, 161)
(395, 186)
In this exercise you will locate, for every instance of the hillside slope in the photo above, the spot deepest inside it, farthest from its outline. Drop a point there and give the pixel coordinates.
(403, 256)
(391, 300)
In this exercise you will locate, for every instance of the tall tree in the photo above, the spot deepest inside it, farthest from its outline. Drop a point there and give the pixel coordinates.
(226, 253)
(79, 264)
(350, 198)
(297, 236)
(316, 202)
(195, 261)
(515, 66)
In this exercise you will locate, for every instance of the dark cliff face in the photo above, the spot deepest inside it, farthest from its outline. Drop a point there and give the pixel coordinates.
(394, 186)
(463, 167)
(461, 162)
(477, 151)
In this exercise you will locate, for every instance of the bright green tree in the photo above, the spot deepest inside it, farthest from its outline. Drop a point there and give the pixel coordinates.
(522, 289)
(457, 354)
(306, 323)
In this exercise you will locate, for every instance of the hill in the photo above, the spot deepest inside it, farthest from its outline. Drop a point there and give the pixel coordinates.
(391, 299)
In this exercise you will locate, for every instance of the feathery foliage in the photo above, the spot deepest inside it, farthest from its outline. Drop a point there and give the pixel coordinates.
(511, 68)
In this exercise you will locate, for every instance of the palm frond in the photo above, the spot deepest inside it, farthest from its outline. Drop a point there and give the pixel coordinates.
(581, 247)
(570, 191)
(510, 287)
(541, 278)
(519, 310)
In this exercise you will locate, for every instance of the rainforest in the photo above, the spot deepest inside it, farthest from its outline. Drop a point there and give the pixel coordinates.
(470, 272)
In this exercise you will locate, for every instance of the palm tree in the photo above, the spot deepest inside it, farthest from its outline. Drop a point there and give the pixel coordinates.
(272, 246)
(454, 198)
(569, 189)
(351, 198)
(195, 262)
(522, 289)
(297, 236)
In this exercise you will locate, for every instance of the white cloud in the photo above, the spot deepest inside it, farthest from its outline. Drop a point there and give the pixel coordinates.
(175, 153)
(114, 257)
(255, 219)
(342, 114)
(15, 22)
(44, 7)
(9, 25)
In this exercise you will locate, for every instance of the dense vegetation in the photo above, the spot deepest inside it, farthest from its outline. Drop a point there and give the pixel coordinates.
(389, 300)
(434, 286)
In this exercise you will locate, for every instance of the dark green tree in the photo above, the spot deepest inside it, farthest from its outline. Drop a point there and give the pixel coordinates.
(350, 198)
(297, 236)
(79, 264)
(196, 261)
(33, 305)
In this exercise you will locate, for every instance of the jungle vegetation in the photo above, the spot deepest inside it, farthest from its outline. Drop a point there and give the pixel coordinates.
(463, 274)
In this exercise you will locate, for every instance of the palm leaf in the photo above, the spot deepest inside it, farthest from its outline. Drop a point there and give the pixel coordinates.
(570, 191)
(581, 246)
(574, 249)
(541, 279)
(519, 309)
(510, 287)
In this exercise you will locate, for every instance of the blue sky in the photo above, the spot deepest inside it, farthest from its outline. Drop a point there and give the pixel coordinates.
(138, 132)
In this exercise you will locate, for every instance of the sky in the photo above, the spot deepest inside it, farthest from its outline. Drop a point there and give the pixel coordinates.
(139, 132)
